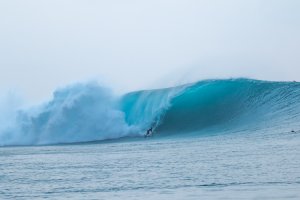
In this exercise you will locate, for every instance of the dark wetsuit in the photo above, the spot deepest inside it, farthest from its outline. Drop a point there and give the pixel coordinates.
(149, 132)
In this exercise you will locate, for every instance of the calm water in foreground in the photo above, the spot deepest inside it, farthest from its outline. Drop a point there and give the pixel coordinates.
(225, 166)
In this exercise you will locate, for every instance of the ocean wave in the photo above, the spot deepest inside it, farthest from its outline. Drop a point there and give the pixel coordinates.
(89, 112)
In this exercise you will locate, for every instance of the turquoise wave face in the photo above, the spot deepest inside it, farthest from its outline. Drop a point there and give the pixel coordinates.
(89, 112)
(231, 103)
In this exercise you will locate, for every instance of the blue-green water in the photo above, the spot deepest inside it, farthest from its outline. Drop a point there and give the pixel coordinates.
(215, 139)
(237, 166)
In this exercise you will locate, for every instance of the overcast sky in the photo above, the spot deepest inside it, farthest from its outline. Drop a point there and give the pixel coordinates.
(136, 44)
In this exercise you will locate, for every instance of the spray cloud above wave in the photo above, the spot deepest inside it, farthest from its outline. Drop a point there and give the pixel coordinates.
(78, 113)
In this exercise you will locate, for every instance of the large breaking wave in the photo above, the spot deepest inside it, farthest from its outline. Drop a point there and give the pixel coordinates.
(89, 112)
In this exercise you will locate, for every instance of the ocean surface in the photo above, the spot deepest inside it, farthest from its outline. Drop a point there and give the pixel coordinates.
(214, 139)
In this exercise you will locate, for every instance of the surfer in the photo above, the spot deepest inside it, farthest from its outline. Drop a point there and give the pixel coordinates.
(149, 132)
